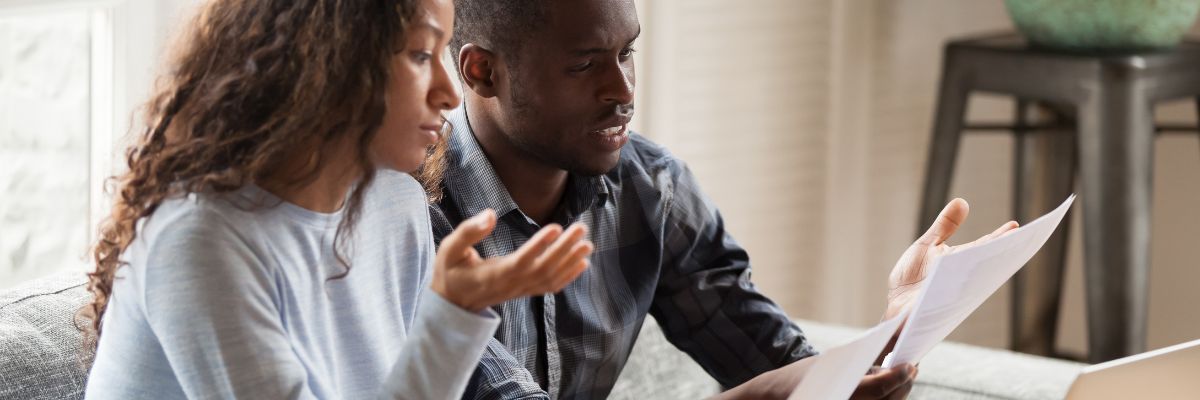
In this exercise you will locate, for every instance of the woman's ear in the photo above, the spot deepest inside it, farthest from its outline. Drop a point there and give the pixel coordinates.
(477, 67)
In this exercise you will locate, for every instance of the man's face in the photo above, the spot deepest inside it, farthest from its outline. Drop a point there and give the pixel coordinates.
(570, 90)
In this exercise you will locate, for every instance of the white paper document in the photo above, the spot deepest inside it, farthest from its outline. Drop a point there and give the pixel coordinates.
(962, 280)
(836, 372)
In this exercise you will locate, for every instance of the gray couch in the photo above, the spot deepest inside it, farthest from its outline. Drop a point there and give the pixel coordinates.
(40, 357)
(951, 371)
(41, 353)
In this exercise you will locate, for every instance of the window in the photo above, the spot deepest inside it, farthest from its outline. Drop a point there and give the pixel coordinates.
(71, 73)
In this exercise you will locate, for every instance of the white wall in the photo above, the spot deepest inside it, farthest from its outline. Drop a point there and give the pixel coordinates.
(741, 91)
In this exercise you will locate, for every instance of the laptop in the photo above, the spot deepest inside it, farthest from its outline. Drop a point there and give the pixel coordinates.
(1167, 373)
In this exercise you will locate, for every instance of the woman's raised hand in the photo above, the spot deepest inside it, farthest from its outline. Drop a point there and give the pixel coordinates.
(550, 260)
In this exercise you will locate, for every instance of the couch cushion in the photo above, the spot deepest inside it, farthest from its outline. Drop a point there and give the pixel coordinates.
(41, 353)
(959, 371)
(657, 370)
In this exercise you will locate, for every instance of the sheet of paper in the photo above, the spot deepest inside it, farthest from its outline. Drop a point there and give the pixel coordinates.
(962, 280)
(836, 372)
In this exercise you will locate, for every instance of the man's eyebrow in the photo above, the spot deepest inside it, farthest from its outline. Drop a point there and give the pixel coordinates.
(598, 50)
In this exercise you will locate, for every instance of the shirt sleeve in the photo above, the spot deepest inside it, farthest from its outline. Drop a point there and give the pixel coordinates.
(500, 376)
(705, 301)
(213, 307)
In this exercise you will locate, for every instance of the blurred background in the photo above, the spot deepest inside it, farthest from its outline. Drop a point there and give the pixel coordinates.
(807, 121)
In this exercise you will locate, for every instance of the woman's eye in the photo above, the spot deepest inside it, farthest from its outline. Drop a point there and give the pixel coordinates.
(422, 57)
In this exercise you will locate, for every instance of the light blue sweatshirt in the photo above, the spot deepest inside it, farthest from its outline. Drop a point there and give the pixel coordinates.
(231, 297)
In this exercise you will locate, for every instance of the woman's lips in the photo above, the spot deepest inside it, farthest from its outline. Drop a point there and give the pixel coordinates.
(431, 132)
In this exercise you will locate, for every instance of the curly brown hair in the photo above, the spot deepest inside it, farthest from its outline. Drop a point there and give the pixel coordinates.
(254, 83)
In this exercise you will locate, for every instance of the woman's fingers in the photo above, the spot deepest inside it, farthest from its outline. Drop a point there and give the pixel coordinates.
(550, 260)
(574, 265)
(529, 252)
(556, 253)
(559, 263)
(455, 246)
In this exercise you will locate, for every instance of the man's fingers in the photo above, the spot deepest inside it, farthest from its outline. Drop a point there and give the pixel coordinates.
(1004, 229)
(901, 392)
(882, 383)
(947, 222)
(1007, 226)
(454, 247)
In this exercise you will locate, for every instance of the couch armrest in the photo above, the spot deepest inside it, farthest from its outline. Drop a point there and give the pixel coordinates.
(41, 350)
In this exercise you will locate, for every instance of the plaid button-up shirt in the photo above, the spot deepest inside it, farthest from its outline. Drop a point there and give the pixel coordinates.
(661, 249)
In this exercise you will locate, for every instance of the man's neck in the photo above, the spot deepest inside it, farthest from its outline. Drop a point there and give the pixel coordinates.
(537, 188)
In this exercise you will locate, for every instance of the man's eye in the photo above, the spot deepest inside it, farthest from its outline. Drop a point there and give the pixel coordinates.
(627, 52)
(582, 67)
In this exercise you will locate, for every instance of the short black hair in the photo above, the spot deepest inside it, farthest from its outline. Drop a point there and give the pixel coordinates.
(498, 25)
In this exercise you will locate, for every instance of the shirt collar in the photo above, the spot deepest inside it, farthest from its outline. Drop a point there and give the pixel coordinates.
(469, 175)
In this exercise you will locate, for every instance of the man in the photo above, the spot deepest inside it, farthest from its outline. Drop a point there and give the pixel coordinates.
(542, 139)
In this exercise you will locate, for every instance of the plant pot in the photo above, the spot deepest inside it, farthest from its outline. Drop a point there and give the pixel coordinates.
(1104, 25)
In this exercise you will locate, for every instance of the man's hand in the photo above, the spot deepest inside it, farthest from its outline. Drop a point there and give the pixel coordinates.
(889, 383)
(550, 260)
(908, 276)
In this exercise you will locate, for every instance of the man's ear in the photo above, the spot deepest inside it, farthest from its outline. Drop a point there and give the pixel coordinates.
(477, 67)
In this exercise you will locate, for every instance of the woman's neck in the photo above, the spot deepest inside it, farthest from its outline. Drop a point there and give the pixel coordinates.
(321, 190)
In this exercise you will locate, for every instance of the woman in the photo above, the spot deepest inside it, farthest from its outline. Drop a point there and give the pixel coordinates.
(266, 242)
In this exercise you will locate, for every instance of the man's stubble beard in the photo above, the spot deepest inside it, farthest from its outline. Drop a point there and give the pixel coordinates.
(523, 110)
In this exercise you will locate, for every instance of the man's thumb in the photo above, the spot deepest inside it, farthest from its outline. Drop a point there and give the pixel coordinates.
(948, 221)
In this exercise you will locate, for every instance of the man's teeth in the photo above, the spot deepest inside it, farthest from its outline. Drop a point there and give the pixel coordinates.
(610, 131)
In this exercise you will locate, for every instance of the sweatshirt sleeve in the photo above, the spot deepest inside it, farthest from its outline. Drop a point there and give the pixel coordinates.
(441, 351)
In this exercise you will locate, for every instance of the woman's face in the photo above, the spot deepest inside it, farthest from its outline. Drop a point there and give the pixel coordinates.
(420, 89)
